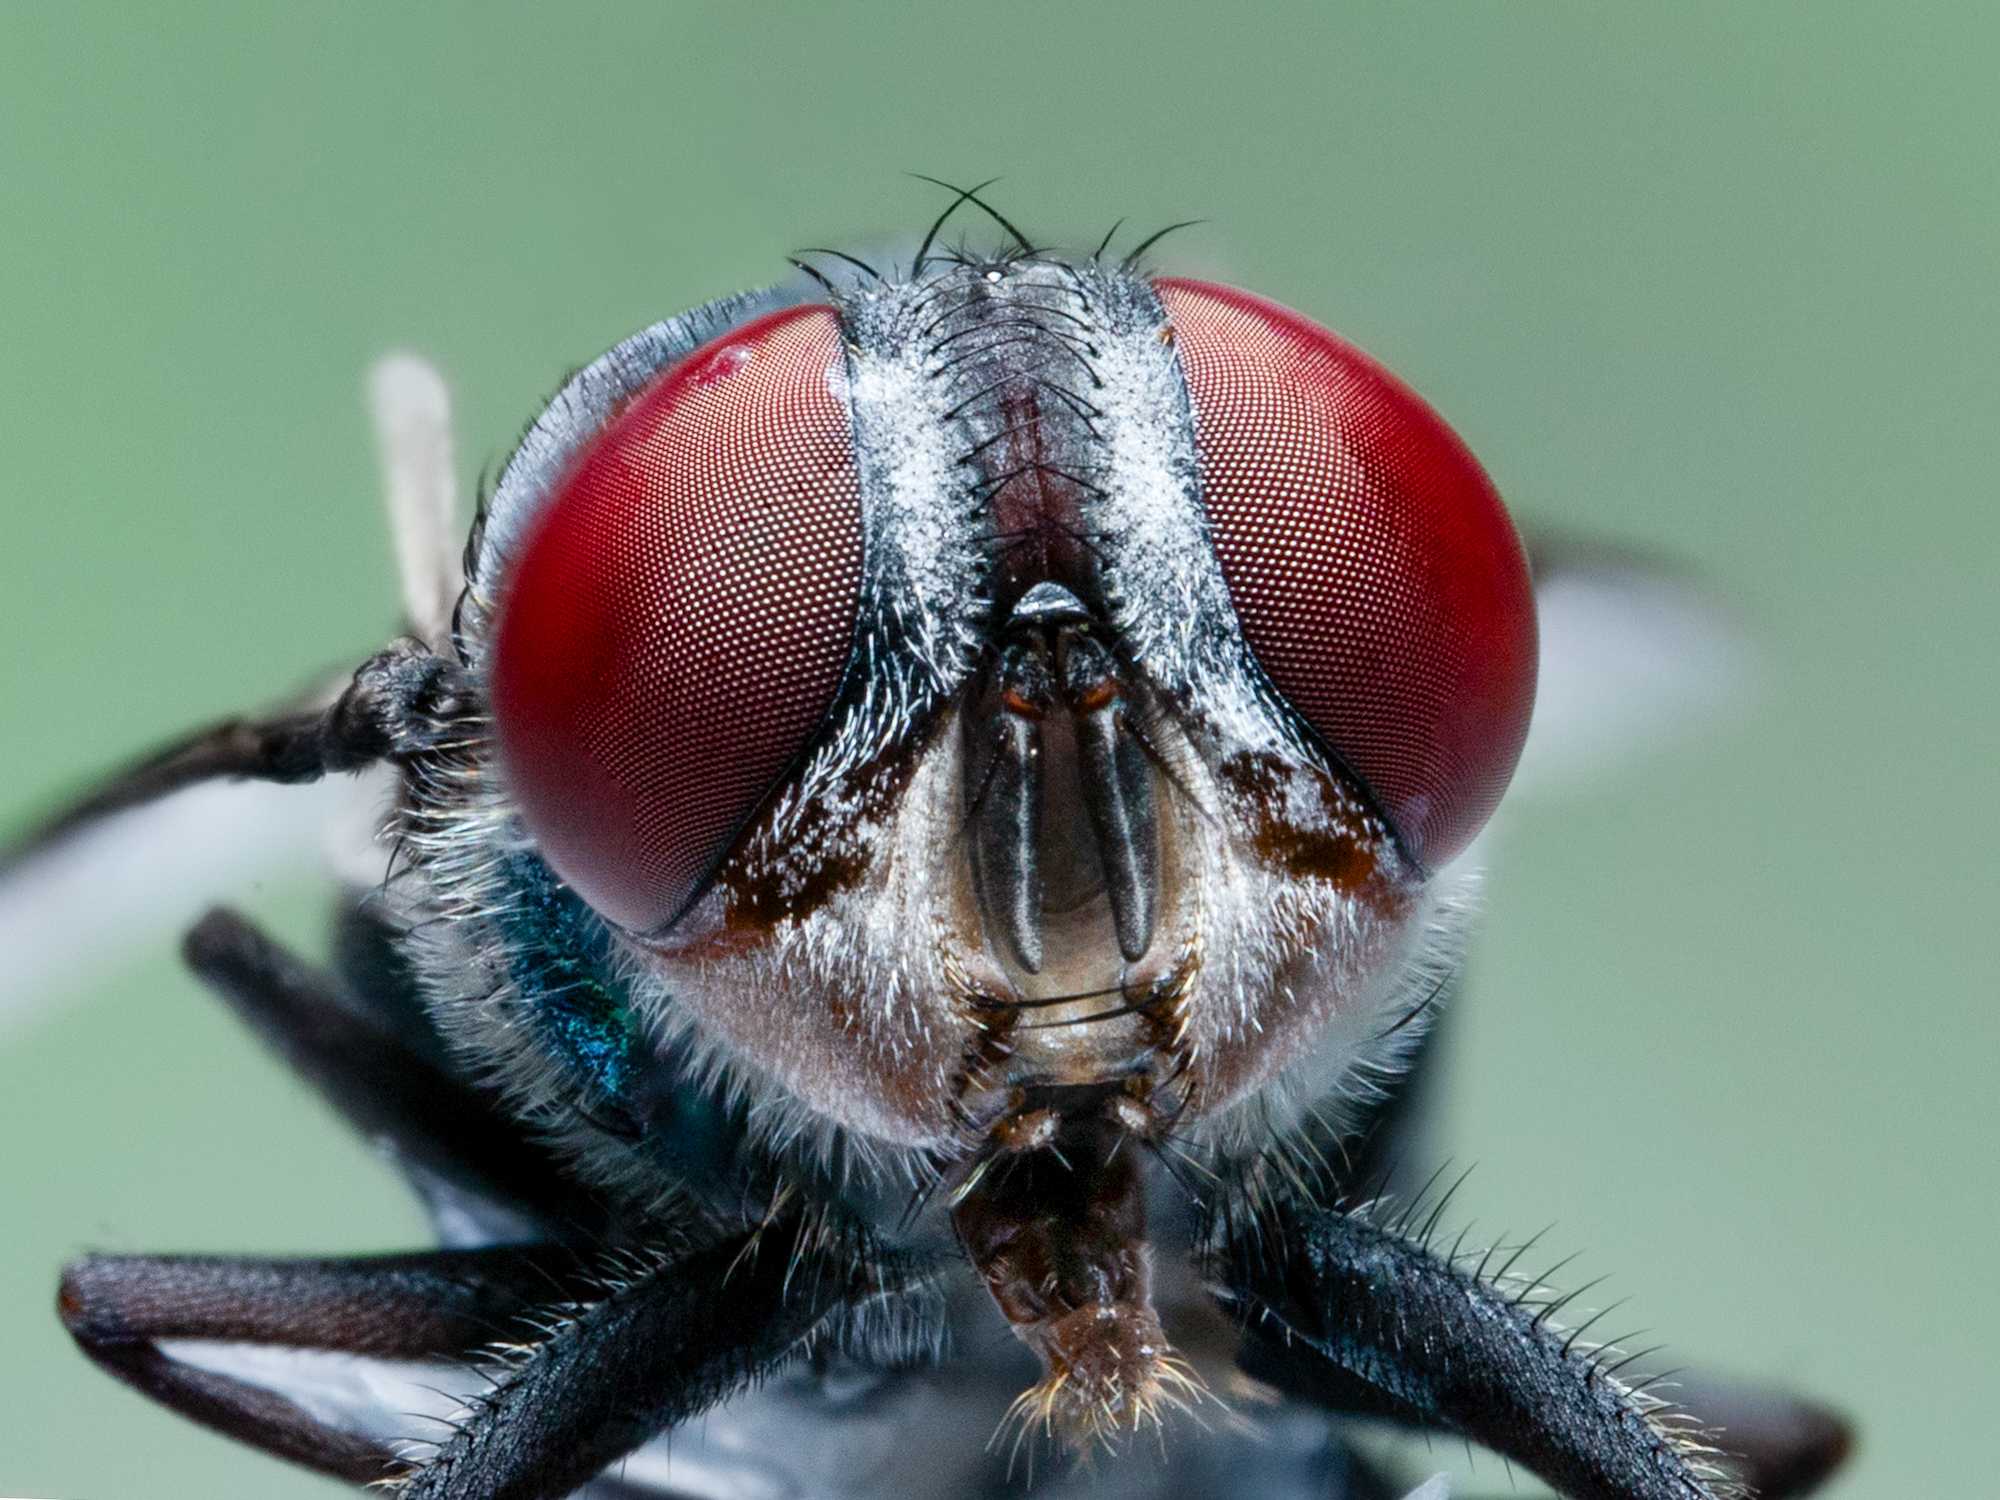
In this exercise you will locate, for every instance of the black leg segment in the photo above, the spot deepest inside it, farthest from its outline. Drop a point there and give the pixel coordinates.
(379, 1083)
(1776, 1444)
(402, 702)
(667, 1338)
(1339, 1311)
(119, 1308)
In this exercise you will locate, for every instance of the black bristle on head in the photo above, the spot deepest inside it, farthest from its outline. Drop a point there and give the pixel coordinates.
(852, 260)
(937, 225)
(816, 274)
(1132, 256)
(971, 195)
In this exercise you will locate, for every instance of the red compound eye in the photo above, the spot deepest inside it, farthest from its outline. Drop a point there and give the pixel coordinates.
(678, 622)
(1373, 568)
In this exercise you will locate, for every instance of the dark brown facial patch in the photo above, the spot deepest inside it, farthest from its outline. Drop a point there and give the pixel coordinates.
(777, 874)
(1341, 850)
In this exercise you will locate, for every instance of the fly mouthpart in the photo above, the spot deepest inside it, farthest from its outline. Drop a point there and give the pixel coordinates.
(1050, 736)
(1058, 1234)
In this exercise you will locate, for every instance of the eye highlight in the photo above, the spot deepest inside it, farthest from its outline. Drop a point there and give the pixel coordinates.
(1372, 566)
(677, 625)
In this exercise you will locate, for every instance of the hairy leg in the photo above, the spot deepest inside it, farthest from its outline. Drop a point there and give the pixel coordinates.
(1340, 1311)
(668, 1337)
(1777, 1444)
(401, 702)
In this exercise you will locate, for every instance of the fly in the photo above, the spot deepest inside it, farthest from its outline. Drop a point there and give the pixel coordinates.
(936, 804)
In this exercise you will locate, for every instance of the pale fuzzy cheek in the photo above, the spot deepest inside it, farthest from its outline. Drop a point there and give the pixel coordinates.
(849, 1013)
(1374, 997)
(1293, 971)
(816, 1021)
(1290, 967)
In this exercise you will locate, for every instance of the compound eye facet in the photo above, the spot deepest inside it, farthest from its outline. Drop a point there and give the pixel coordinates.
(1374, 571)
(677, 624)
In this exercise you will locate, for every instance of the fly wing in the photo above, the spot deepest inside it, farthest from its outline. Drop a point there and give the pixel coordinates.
(135, 860)
(411, 411)
(1637, 657)
(133, 863)
(403, 1405)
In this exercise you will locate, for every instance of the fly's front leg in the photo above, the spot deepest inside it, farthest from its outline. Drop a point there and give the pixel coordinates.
(596, 1355)
(401, 703)
(121, 1308)
(664, 1339)
(1342, 1312)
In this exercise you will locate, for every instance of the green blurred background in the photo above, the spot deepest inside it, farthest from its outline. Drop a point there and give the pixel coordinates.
(1717, 280)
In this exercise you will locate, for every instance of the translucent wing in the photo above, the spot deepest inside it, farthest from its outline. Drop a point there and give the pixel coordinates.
(140, 856)
(1636, 656)
(72, 903)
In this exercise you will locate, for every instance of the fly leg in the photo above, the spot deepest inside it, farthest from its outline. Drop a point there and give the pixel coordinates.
(598, 1354)
(402, 702)
(1341, 1312)
(1777, 1445)
(121, 1308)
(667, 1338)
(382, 1085)
(601, 1361)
